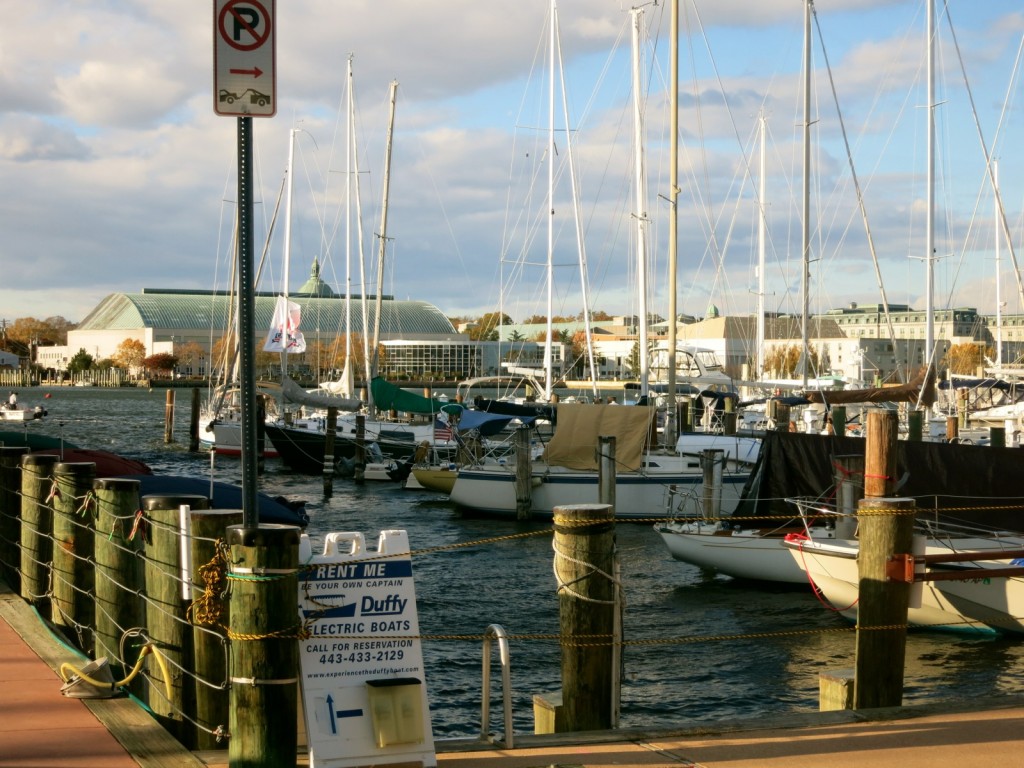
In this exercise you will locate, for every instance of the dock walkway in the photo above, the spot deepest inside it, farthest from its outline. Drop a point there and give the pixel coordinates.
(40, 728)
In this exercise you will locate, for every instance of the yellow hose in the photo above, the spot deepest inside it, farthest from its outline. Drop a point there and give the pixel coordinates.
(146, 649)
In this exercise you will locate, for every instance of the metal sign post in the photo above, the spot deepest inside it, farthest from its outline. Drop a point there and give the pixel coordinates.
(244, 85)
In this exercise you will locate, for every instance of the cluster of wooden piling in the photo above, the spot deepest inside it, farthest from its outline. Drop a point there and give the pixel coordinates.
(117, 573)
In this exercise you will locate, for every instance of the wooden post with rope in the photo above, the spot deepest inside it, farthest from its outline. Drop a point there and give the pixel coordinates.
(165, 609)
(118, 567)
(73, 572)
(36, 528)
(210, 617)
(585, 557)
(264, 665)
(886, 529)
(10, 513)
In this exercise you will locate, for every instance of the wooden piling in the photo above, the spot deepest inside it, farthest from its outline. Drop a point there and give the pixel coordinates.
(36, 528)
(524, 474)
(209, 615)
(165, 610)
(261, 434)
(712, 463)
(10, 513)
(997, 437)
(606, 471)
(359, 474)
(264, 664)
(169, 416)
(118, 568)
(330, 433)
(848, 473)
(952, 428)
(839, 419)
(886, 527)
(683, 416)
(915, 425)
(585, 557)
(73, 572)
(193, 422)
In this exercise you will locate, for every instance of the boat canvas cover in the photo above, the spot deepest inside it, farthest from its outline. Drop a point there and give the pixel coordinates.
(574, 444)
(953, 482)
(921, 391)
(296, 394)
(391, 397)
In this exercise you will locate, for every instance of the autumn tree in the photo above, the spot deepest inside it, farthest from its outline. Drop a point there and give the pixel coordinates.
(222, 352)
(129, 354)
(19, 336)
(52, 330)
(578, 355)
(162, 362)
(964, 358)
(189, 355)
(785, 361)
(486, 328)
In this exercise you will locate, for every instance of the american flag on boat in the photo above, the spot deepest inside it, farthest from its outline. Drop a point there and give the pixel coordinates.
(442, 430)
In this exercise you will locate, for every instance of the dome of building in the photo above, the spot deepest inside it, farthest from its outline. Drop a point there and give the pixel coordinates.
(314, 286)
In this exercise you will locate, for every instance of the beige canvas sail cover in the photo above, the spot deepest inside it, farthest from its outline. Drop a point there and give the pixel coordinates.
(574, 444)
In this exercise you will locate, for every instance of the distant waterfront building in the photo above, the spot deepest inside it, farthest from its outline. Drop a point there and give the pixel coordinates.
(164, 320)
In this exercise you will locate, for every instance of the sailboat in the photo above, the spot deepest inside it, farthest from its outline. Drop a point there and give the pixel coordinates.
(385, 442)
(567, 471)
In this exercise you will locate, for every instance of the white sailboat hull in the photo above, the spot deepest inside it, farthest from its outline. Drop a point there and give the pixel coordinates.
(976, 605)
(743, 554)
(637, 495)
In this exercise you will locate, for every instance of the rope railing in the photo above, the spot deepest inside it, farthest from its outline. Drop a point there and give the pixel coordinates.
(211, 585)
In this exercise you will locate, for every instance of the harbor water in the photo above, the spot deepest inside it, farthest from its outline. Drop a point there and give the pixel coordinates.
(699, 647)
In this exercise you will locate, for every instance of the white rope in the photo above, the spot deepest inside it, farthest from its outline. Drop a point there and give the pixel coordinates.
(565, 586)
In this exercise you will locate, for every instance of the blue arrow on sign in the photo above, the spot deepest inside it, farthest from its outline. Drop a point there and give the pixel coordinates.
(332, 713)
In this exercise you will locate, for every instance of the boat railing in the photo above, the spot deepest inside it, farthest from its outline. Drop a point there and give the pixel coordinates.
(492, 633)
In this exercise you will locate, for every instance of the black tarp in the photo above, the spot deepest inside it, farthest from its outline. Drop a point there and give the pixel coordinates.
(960, 483)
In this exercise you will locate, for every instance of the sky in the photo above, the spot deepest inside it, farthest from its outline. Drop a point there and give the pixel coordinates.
(119, 175)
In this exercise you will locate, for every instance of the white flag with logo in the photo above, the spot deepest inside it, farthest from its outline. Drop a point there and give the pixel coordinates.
(284, 335)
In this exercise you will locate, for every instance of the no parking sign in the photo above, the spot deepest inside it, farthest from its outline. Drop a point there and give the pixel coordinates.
(244, 58)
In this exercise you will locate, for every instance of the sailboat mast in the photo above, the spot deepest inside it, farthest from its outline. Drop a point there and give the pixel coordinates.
(762, 236)
(287, 248)
(641, 202)
(673, 219)
(930, 203)
(805, 274)
(346, 370)
(999, 296)
(378, 305)
(548, 336)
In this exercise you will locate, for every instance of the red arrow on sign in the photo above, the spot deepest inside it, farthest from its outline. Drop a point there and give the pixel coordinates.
(255, 71)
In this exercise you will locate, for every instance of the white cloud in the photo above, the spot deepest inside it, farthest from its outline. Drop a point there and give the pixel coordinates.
(123, 177)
